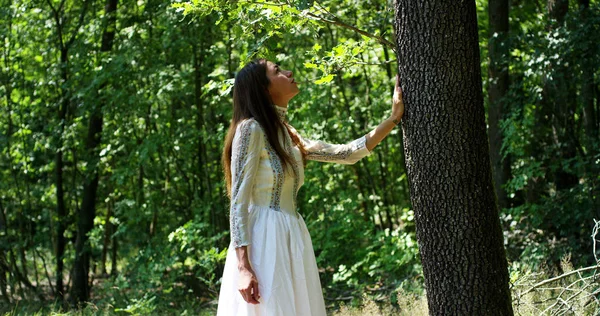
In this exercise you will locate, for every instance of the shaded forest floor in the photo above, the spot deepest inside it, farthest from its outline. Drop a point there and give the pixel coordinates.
(407, 305)
(574, 292)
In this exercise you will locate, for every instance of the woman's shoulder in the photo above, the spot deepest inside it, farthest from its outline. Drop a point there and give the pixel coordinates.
(294, 131)
(248, 126)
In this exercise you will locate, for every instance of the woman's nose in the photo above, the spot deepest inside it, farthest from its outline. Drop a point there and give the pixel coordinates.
(289, 73)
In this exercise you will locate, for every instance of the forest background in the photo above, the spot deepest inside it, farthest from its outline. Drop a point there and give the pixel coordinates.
(113, 115)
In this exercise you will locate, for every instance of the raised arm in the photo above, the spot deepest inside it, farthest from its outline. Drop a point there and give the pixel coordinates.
(355, 150)
(347, 154)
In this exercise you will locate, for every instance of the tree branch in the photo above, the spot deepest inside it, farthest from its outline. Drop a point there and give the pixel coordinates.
(55, 13)
(79, 23)
(338, 22)
(333, 20)
(560, 277)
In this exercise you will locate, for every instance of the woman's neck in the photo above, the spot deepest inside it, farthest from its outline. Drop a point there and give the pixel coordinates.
(282, 102)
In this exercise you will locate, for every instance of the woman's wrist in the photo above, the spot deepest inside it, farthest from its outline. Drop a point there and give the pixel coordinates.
(242, 256)
(396, 119)
(244, 266)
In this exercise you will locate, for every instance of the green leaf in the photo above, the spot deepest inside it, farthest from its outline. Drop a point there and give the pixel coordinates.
(310, 65)
(339, 50)
(326, 79)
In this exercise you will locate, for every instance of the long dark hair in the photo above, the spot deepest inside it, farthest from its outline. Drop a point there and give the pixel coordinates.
(252, 100)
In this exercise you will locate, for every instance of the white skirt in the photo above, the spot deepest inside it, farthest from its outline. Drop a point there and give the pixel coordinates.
(283, 259)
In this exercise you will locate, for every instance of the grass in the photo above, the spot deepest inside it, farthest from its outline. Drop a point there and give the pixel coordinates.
(408, 305)
(575, 292)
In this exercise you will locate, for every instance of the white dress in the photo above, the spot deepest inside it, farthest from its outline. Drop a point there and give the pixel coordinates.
(263, 216)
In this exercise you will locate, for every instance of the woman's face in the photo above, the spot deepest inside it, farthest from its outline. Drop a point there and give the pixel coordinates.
(282, 86)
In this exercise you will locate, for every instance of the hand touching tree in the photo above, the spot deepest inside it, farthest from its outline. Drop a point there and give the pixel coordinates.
(397, 102)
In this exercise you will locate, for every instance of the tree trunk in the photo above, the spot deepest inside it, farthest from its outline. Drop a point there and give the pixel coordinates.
(7, 95)
(497, 92)
(113, 266)
(589, 112)
(562, 96)
(557, 9)
(587, 90)
(107, 237)
(61, 209)
(80, 290)
(21, 279)
(87, 212)
(204, 174)
(3, 263)
(589, 115)
(23, 235)
(3, 272)
(447, 157)
(545, 126)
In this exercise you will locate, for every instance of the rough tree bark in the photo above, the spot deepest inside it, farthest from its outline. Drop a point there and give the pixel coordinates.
(81, 289)
(447, 158)
(497, 91)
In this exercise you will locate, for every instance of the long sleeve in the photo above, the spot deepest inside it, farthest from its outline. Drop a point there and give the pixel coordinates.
(347, 154)
(247, 145)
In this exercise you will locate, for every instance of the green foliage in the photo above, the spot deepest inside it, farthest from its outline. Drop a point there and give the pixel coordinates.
(161, 208)
(144, 306)
(545, 140)
(265, 22)
(196, 254)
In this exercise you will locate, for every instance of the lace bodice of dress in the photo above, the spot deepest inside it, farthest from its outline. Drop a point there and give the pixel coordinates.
(258, 179)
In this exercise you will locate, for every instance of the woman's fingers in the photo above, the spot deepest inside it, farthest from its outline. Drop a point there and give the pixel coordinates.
(397, 102)
(253, 300)
(243, 293)
(256, 291)
(248, 286)
(247, 296)
(398, 89)
(252, 294)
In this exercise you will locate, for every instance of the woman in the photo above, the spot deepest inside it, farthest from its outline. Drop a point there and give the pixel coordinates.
(270, 267)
